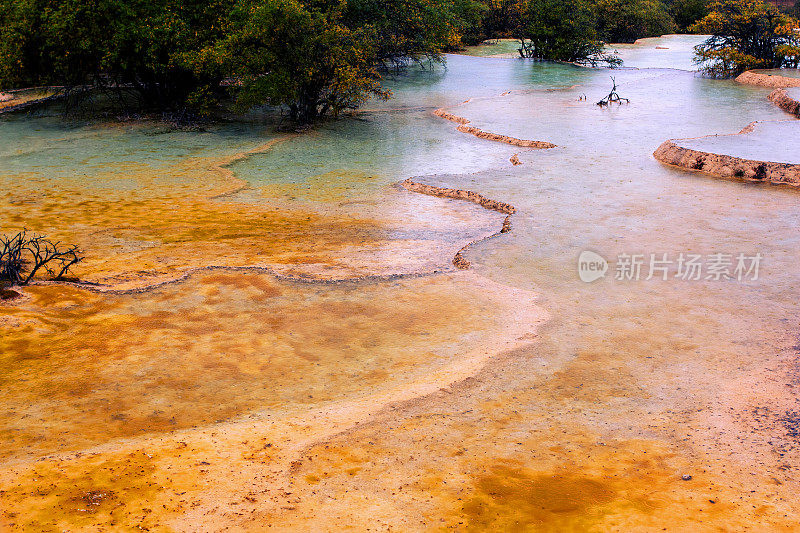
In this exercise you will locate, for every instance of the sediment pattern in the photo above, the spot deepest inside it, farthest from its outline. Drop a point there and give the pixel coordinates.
(184, 276)
(767, 80)
(459, 261)
(222, 166)
(728, 166)
(489, 136)
(208, 472)
(781, 98)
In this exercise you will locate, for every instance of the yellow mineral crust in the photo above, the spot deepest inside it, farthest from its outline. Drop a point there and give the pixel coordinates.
(216, 333)
(146, 395)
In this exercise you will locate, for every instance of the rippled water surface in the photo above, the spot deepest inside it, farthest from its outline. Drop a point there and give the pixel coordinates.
(589, 423)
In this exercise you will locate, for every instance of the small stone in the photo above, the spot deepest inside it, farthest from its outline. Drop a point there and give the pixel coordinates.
(686, 477)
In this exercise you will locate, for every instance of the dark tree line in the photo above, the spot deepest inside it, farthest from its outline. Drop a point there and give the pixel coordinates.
(316, 57)
(613, 21)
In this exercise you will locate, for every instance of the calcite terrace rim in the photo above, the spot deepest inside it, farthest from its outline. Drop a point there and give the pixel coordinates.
(781, 98)
(770, 81)
(464, 127)
(410, 185)
(459, 261)
(237, 184)
(728, 166)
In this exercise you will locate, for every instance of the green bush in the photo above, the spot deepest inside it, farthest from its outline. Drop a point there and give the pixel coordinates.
(316, 57)
(624, 21)
(560, 30)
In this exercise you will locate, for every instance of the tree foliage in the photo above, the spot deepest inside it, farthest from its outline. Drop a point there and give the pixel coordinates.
(614, 20)
(314, 56)
(108, 44)
(560, 30)
(492, 20)
(283, 53)
(624, 21)
(686, 13)
(403, 29)
(746, 34)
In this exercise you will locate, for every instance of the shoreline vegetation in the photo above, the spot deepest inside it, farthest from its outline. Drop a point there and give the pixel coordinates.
(313, 60)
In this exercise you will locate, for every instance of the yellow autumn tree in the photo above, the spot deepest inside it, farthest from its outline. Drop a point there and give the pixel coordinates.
(746, 34)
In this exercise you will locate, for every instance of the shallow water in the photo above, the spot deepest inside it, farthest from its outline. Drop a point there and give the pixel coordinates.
(669, 51)
(785, 72)
(630, 384)
(217, 346)
(494, 48)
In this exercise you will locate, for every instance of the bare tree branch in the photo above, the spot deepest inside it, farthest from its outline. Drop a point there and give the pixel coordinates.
(22, 257)
(613, 96)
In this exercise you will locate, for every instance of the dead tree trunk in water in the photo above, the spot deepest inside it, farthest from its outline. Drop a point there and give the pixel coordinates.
(613, 96)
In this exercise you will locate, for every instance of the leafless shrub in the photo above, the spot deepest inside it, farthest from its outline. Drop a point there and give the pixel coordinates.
(23, 256)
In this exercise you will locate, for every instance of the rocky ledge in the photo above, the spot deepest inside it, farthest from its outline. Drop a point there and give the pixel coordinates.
(728, 166)
(463, 127)
(769, 81)
(782, 99)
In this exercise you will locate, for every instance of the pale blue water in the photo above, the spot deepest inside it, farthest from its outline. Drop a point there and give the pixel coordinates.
(599, 188)
(669, 51)
(579, 194)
